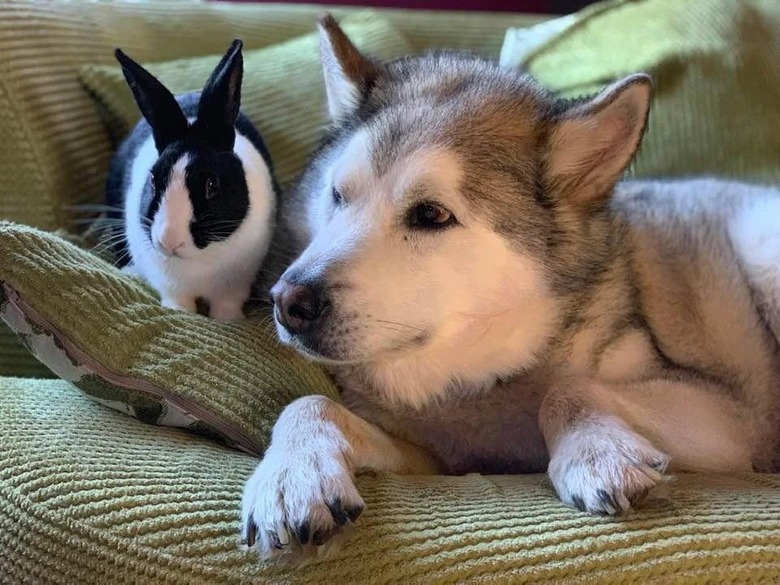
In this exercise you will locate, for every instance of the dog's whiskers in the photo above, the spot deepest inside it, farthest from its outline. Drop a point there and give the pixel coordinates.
(402, 325)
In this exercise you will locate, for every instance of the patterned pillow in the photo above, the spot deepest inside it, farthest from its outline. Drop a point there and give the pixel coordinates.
(107, 334)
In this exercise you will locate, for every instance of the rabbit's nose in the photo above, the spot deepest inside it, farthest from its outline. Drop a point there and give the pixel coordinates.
(168, 245)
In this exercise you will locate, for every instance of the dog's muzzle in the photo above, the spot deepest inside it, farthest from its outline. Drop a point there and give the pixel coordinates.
(298, 307)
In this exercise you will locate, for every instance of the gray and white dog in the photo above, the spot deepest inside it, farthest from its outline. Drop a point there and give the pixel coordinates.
(490, 298)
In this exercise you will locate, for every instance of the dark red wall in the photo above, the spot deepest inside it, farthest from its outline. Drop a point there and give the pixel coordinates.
(531, 6)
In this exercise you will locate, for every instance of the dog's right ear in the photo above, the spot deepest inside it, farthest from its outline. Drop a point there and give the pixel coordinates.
(348, 74)
(156, 103)
(591, 144)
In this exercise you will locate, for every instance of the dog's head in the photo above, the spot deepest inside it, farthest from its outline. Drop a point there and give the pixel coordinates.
(451, 199)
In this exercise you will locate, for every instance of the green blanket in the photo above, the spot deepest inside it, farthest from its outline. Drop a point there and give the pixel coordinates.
(91, 496)
(716, 71)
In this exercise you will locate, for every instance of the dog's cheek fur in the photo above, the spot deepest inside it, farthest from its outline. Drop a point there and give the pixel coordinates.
(445, 305)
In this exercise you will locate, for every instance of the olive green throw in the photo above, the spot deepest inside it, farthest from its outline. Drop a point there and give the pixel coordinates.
(90, 496)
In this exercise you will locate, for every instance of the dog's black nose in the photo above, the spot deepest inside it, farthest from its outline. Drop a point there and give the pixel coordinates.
(297, 306)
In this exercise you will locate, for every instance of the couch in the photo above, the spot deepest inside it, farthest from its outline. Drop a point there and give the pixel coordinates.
(91, 495)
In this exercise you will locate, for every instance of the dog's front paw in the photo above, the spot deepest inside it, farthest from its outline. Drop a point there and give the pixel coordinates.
(297, 499)
(606, 474)
(180, 303)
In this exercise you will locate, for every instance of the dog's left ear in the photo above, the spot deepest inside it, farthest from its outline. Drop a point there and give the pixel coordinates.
(591, 144)
(348, 74)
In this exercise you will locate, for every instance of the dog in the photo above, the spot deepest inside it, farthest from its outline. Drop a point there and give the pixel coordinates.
(491, 296)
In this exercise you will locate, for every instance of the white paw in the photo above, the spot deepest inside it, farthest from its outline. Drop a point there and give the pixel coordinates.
(297, 499)
(180, 304)
(606, 474)
(132, 270)
(228, 308)
(226, 311)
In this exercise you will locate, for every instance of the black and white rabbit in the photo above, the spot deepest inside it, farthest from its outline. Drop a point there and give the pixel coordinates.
(195, 184)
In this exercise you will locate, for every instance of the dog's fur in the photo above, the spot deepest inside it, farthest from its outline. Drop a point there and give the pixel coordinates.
(602, 331)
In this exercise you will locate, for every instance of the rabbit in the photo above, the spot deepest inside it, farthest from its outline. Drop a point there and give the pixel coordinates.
(194, 185)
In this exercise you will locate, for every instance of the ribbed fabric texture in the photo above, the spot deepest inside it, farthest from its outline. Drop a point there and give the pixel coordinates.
(91, 496)
(290, 115)
(55, 149)
(716, 71)
(236, 372)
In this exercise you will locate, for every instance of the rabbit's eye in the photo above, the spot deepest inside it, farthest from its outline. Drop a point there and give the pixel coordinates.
(212, 186)
(151, 179)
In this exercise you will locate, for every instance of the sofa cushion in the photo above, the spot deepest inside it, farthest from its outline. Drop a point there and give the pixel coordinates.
(107, 334)
(90, 496)
(282, 91)
(716, 98)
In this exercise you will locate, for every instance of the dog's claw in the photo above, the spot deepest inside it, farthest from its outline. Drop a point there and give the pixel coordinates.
(660, 465)
(354, 512)
(250, 533)
(607, 500)
(321, 537)
(275, 542)
(302, 532)
(283, 534)
(337, 510)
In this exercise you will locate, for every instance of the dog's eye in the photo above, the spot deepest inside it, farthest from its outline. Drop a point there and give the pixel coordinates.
(151, 179)
(429, 216)
(212, 186)
(338, 198)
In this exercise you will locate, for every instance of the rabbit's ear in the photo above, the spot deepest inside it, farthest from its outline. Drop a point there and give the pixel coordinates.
(221, 100)
(156, 103)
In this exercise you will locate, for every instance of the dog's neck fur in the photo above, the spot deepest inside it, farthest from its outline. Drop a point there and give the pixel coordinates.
(487, 350)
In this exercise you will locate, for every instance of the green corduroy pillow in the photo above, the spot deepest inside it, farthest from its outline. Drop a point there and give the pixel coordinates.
(716, 72)
(282, 91)
(106, 333)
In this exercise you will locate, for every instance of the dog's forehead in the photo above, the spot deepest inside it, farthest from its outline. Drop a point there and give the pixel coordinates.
(470, 107)
(423, 169)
